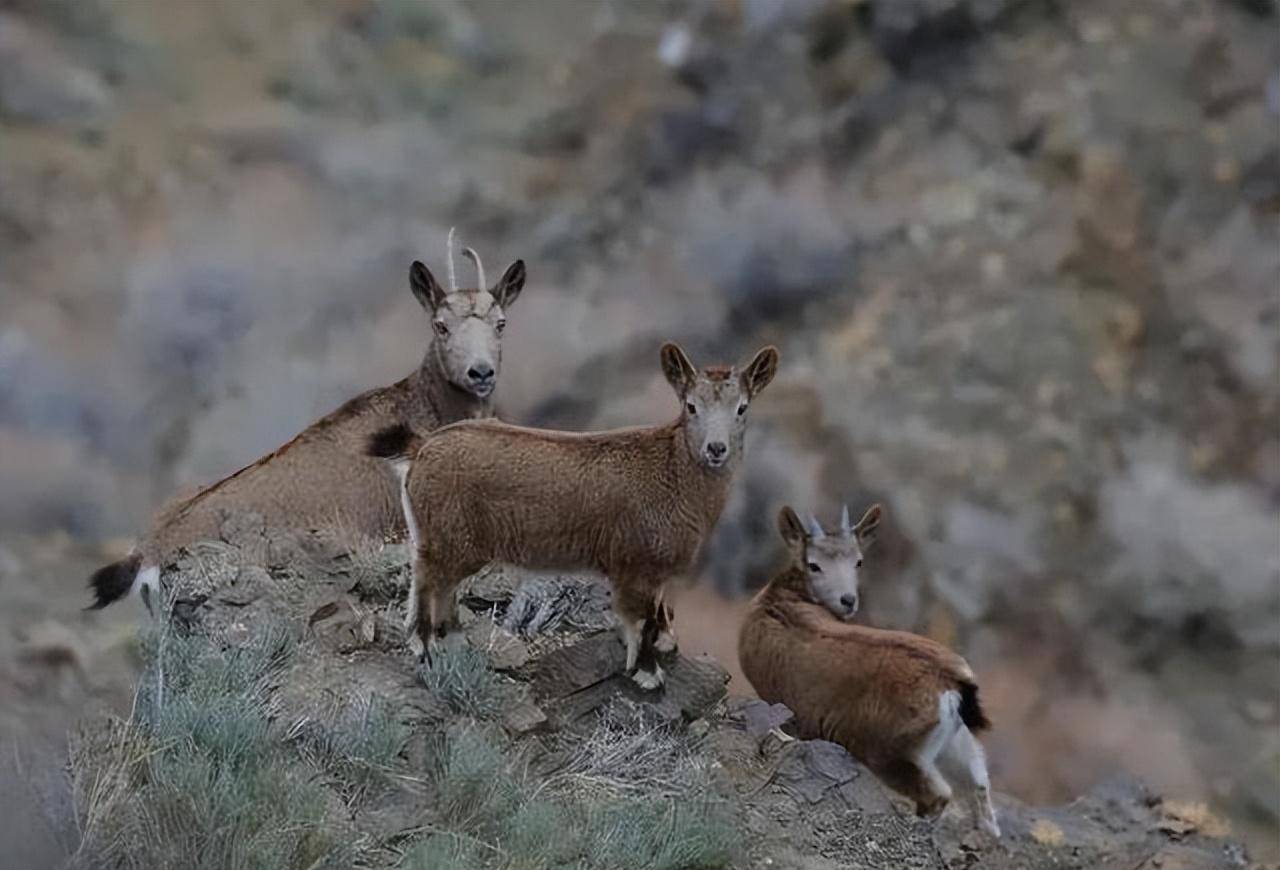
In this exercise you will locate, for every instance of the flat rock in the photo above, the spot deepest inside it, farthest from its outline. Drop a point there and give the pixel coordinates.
(584, 664)
(760, 717)
(813, 768)
(524, 717)
(505, 651)
(585, 676)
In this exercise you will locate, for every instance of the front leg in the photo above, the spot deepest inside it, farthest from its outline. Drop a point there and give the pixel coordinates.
(665, 617)
(634, 603)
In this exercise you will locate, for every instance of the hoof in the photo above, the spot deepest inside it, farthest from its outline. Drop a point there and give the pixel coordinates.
(931, 809)
(666, 642)
(989, 825)
(649, 680)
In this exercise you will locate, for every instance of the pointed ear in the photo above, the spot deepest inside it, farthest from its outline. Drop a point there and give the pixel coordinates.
(677, 369)
(760, 371)
(866, 527)
(425, 289)
(509, 285)
(790, 527)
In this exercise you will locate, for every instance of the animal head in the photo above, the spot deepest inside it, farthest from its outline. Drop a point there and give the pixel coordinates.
(715, 400)
(830, 561)
(467, 325)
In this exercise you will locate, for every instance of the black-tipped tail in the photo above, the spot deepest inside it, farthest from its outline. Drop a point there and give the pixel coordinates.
(113, 582)
(971, 713)
(393, 442)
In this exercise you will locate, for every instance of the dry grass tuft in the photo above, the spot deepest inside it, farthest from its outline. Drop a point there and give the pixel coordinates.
(196, 777)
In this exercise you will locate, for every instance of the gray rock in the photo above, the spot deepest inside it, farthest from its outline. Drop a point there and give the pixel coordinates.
(40, 82)
(761, 718)
(579, 666)
(524, 717)
(814, 768)
(250, 584)
(505, 651)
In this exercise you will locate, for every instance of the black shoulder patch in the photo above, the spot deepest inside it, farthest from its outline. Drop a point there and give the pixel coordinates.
(390, 442)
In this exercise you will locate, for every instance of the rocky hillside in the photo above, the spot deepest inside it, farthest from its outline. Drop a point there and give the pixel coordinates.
(281, 722)
(1020, 256)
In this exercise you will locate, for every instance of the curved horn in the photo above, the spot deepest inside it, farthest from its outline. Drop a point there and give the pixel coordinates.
(845, 530)
(453, 278)
(815, 530)
(475, 258)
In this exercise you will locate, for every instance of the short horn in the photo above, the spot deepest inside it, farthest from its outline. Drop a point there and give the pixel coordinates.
(475, 258)
(845, 530)
(453, 277)
(815, 530)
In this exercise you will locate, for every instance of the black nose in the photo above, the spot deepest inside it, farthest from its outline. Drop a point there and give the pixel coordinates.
(717, 449)
(849, 601)
(480, 373)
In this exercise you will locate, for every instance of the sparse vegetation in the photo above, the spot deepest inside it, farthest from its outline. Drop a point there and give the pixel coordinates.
(460, 676)
(196, 777)
(492, 812)
(360, 743)
(626, 754)
(200, 777)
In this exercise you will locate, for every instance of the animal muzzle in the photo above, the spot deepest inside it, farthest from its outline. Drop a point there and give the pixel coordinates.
(849, 605)
(481, 378)
(716, 453)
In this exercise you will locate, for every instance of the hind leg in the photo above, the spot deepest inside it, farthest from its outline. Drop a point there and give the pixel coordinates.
(148, 584)
(923, 785)
(443, 600)
(411, 604)
(435, 607)
(965, 753)
(420, 629)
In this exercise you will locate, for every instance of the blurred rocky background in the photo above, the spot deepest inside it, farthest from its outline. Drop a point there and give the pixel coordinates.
(1022, 259)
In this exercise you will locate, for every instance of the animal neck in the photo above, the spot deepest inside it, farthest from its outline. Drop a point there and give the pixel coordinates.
(702, 490)
(786, 598)
(789, 586)
(437, 397)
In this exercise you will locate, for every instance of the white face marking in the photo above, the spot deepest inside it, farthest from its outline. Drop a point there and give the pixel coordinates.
(468, 329)
(715, 414)
(832, 565)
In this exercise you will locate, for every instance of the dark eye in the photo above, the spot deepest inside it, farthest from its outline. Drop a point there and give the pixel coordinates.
(688, 406)
(815, 567)
(439, 327)
(742, 409)
(499, 326)
(859, 563)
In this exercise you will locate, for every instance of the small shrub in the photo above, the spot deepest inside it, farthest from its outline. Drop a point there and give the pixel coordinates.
(445, 851)
(196, 778)
(670, 834)
(540, 835)
(474, 780)
(490, 813)
(462, 679)
(361, 743)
